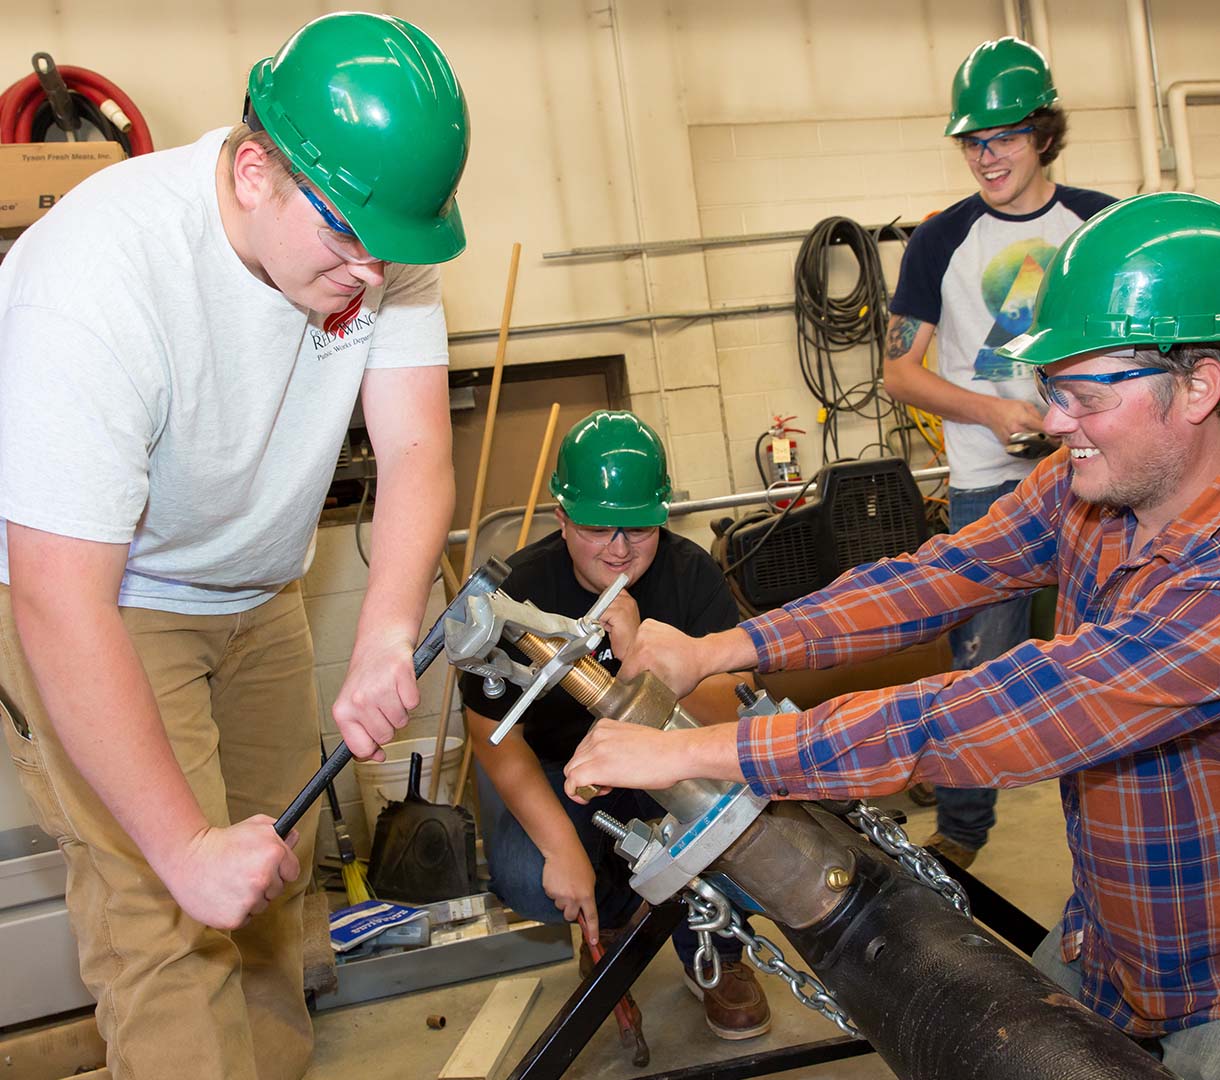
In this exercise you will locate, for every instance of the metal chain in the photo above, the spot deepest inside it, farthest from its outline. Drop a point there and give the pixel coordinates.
(712, 909)
(889, 836)
(711, 913)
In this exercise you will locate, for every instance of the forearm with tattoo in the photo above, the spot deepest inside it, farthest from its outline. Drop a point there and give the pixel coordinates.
(900, 336)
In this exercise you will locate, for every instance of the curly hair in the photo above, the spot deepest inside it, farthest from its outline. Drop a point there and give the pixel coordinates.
(1050, 131)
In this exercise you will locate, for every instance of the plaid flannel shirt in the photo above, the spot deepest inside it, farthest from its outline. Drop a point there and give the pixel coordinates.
(1121, 706)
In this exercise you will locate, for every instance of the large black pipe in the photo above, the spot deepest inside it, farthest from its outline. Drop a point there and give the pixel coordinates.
(941, 998)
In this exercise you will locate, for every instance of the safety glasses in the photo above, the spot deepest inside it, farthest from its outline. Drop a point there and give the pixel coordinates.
(601, 538)
(338, 236)
(1082, 395)
(1002, 145)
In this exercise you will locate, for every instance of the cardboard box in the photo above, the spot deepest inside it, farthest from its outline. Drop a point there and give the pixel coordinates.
(34, 175)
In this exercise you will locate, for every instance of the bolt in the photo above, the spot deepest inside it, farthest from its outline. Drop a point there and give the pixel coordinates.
(493, 687)
(837, 878)
(667, 833)
(610, 825)
(745, 694)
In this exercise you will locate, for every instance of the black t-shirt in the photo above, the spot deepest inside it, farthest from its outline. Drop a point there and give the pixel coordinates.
(683, 587)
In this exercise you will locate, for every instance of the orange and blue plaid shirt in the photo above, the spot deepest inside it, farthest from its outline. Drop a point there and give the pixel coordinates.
(1122, 706)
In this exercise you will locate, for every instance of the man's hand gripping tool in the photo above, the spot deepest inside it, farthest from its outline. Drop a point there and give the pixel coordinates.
(487, 579)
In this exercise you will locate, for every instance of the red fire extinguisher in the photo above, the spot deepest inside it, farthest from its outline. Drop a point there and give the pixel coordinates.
(782, 464)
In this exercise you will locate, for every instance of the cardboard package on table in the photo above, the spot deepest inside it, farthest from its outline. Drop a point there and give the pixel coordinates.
(33, 176)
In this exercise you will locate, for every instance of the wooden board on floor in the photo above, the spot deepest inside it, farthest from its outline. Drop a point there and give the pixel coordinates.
(48, 1053)
(487, 1038)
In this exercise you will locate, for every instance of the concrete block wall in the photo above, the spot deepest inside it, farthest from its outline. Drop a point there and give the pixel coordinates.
(1204, 121)
(772, 177)
(334, 589)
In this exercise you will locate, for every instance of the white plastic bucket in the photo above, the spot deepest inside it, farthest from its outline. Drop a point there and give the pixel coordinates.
(383, 782)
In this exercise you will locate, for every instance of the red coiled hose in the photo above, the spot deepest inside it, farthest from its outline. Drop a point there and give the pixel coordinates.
(21, 101)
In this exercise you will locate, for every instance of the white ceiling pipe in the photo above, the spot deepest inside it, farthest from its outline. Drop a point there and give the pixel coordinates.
(1040, 32)
(1176, 97)
(1012, 19)
(1145, 101)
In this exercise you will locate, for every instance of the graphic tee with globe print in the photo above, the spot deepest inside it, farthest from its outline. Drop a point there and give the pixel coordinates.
(974, 274)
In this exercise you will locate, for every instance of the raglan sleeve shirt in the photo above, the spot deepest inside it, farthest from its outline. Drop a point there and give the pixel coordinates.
(924, 261)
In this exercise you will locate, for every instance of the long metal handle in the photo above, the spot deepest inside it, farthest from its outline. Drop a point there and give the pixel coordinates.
(58, 95)
(489, 577)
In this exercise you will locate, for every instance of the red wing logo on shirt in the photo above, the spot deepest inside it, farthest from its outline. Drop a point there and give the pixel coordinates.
(337, 323)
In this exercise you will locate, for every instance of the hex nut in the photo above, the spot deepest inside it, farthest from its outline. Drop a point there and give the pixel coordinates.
(631, 846)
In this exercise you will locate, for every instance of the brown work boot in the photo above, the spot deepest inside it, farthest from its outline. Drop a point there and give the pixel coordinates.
(950, 849)
(736, 1008)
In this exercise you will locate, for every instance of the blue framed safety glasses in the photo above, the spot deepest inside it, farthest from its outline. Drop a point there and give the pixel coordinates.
(1082, 395)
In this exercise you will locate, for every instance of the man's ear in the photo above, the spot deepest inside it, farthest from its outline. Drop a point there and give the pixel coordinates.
(253, 176)
(1203, 390)
(562, 518)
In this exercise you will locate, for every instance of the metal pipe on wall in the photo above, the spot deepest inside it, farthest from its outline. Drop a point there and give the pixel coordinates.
(1012, 19)
(1177, 97)
(773, 494)
(1145, 100)
(1040, 32)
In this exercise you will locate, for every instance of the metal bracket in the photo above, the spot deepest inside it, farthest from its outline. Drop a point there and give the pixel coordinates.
(473, 645)
(665, 858)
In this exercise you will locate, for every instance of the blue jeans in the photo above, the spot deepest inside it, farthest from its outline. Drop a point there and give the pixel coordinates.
(516, 863)
(1192, 1053)
(966, 815)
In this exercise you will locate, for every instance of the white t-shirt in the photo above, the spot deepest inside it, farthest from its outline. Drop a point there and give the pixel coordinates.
(974, 272)
(154, 392)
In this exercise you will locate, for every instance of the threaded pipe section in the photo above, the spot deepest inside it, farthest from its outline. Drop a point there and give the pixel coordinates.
(588, 682)
(745, 694)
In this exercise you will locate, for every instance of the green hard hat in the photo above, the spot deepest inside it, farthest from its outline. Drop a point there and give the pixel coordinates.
(611, 472)
(1144, 271)
(1000, 82)
(368, 108)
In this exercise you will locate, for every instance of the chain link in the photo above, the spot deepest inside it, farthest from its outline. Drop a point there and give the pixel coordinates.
(709, 911)
(761, 952)
(889, 836)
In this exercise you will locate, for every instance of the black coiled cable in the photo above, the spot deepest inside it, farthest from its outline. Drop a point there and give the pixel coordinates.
(827, 324)
(44, 121)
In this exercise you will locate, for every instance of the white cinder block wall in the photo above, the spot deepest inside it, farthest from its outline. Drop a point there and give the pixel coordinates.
(773, 177)
(333, 589)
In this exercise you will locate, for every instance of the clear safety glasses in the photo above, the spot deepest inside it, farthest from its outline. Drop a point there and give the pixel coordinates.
(338, 237)
(603, 537)
(1082, 395)
(1003, 145)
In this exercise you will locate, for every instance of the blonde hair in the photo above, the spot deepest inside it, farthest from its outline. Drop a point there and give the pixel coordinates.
(286, 178)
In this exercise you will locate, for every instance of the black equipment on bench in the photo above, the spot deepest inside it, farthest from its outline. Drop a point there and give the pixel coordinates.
(862, 511)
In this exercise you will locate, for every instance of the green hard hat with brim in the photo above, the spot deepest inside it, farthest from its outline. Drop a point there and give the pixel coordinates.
(611, 472)
(369, 109)
(999, 83)
(1144, 271)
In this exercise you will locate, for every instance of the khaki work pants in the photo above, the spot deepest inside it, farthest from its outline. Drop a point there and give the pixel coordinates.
(176, 998)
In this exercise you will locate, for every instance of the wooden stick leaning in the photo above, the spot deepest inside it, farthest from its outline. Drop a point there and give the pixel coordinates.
(526, 520)
(544, 454)
(452, 585)
(476, 510)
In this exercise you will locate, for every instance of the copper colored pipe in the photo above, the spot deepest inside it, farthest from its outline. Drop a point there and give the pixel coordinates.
(588, 682)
